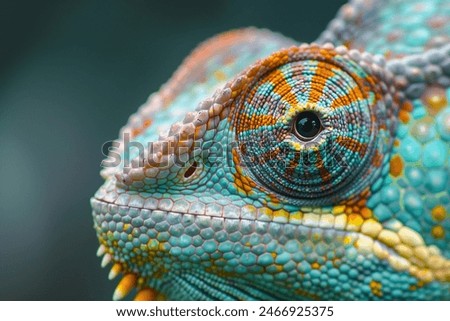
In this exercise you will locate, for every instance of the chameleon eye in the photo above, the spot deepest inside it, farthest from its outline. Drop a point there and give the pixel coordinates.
(307, 126)
(314, 124)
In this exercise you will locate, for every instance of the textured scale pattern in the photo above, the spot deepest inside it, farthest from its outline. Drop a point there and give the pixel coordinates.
(267, 169)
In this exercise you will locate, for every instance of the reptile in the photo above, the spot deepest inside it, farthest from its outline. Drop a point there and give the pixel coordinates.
(268, 169)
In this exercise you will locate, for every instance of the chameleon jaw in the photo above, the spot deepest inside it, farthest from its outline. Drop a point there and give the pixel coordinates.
(399, 246)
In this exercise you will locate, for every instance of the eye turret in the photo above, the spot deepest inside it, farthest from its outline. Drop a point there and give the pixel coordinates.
(314, 125)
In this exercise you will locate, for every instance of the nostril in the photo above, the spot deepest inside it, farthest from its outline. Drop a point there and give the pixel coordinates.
(191, 170)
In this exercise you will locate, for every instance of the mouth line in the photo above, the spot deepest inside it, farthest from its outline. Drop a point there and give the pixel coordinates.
(313, 224)
(403, 248)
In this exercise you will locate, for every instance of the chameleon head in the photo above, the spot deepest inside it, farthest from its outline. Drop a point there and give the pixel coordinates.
(261, 192)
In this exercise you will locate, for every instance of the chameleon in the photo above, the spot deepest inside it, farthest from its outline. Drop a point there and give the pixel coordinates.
(269, 169)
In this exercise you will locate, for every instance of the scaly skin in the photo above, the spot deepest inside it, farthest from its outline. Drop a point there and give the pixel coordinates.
(236, 199)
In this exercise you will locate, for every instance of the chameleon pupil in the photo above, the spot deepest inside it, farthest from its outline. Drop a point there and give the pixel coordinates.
(307, 125)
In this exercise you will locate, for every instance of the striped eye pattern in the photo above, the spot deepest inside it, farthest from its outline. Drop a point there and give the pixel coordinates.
(312, 122)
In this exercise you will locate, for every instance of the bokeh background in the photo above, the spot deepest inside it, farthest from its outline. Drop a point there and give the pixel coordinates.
(71, 72)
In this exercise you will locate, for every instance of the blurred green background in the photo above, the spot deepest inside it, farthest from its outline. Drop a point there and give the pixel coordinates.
(71, 72)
